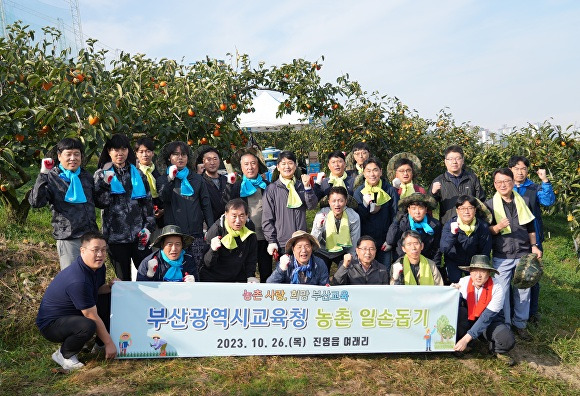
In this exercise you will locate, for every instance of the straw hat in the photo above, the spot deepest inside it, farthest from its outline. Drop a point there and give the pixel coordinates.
(300, 235)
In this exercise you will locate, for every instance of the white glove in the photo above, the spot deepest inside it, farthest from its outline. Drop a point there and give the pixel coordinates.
(374, 208)
(318, 220)
(143, 236)
(253, 279)
(231, 178)
(271, 248)
(396, 182)
(306, 181)
(385, 247)
(151, 267)
(319, 177)
(367, 199)
(216, 243)
(436, 187)
(454, 227)
(189, 278)
(172, 172)
(108, 176)
(284, 261)
(397, 268)
(46, 165)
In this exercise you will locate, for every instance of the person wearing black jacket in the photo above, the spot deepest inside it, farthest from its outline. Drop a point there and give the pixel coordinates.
(231, 256)
(413, 216)
(454, 182)
(145, 152)
(251, 188)
(214, 182)
(171, 263)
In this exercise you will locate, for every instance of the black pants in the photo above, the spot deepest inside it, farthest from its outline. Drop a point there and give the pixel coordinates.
(264, 261)
(328, 261)
(75, 330)
(121, 254)
(498, 334)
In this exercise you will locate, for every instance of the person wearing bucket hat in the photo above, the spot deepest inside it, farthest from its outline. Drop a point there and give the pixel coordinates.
(414, 268)
(285, 203)
(401, 169)
(415, 208)
(251, 189)
(128, 219)
(171, 263)
(377, 207)
(454, 182)
(338, 176)
(233, 246)
(70, 191)
(464, 236)
(481, 310)
(299, 265)
(184, 194)
(513, 236)
(337, 228)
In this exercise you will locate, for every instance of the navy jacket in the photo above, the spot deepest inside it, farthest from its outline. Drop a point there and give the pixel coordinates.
(458, 249)
(376, 225)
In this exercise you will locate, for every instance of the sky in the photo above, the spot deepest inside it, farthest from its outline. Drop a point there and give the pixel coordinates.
(491, 63)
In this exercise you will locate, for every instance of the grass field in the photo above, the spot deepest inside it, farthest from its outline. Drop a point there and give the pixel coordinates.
(546, 365)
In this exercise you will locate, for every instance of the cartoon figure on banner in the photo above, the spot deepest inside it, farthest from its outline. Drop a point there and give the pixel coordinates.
(428, 335)
(124, 343)
(159, 344)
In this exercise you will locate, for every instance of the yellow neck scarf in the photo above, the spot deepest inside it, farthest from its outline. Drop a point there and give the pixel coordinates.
(382, 197)
(467, 228)
(337, 181)
(229, 241)
(359, 169)
(294, 200)
(337, 239)
(407, 189)
(524, 213)
(425, 274)
(148, 170)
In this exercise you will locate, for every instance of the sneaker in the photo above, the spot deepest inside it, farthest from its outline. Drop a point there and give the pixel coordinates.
(97, 349)
(505, 358)
(523, 333)
(71, 363)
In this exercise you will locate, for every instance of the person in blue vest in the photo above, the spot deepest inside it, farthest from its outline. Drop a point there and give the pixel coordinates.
(76, 305)
(377, 207)
(539, 195)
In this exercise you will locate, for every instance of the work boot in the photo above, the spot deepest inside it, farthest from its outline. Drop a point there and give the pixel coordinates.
(506, 358)
(522, 333)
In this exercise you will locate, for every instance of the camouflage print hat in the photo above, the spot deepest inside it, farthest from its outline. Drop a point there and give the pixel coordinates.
(480, 261)
(528, 271)
(427, 200)
(483, 212)
(391, 171)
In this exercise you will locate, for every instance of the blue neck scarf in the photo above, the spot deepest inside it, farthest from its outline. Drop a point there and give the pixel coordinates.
(186, 188)
(75, 193)
(423, 224)
(138, 190)
(294, 278)
(249, 186)
(174, 273)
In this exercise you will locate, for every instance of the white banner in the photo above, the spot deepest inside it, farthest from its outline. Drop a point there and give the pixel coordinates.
(169, 319)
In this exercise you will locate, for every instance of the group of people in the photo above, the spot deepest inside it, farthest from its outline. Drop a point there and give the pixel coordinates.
(178, 218)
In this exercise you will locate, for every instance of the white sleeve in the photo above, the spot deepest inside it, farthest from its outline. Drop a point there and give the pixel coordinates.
(497, 296)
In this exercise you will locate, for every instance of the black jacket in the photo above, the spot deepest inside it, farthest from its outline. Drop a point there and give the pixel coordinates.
(226, 265)
(458, 249)
(69, 221)
(447, 195)
(430, 242)
(188, 213)
(216, 195)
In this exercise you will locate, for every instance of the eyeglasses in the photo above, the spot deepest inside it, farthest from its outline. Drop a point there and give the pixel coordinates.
(503, 182)
(408, 244)
(466, 209)
(182, 155)
(368, 250)
(405, 170)
(96, 252)
(456, 159)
